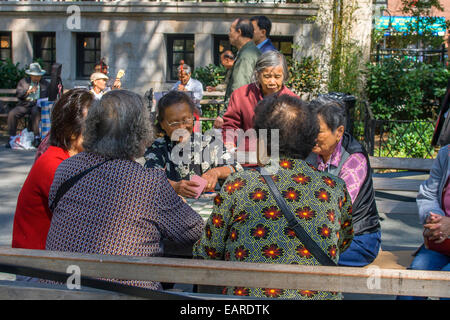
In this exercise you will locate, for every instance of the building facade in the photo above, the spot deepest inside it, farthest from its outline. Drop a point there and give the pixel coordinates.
(146, 39)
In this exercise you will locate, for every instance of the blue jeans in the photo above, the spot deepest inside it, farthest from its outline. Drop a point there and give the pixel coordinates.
(428, 260)
(362, 251)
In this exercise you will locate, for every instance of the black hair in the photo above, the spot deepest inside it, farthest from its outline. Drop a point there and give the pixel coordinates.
(298, 126)
(263, 23)
(169, 99)
(67, 117)
(246, 27)
(332, 112)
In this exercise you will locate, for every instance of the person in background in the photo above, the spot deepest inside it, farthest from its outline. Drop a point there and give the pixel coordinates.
(262, 26)
(119, 207)
(188, 84)
(240, 36)
(176, 111)
(98, 83)
(433, 202)
(33, 216)
(111, 84)
(338, 153)
(28, 91)
(227, 60)
(247, 224)
(269, 76)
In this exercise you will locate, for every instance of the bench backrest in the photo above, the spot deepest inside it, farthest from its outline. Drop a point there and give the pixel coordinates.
(226, 273)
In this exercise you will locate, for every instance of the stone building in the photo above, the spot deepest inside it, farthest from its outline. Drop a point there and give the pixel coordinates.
(146, 39)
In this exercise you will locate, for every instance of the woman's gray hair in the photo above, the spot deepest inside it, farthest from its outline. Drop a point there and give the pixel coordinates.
(270, 59)
(118, 126)
(332, 112)
(186, 68)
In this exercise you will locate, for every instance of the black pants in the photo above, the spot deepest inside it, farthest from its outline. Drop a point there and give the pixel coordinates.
(19, 112)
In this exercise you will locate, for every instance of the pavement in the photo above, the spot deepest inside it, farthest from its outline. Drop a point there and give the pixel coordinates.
(399, 232)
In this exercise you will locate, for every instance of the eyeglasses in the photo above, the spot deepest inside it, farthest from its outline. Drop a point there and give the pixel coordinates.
(186, 122)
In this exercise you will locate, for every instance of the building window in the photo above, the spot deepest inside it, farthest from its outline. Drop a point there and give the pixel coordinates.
(88, 53)
(5, 46)
(44, 48)
(283, 44)
(179, 47)
(221, 43)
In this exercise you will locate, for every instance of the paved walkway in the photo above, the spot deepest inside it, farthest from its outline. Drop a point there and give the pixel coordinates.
(399, 232)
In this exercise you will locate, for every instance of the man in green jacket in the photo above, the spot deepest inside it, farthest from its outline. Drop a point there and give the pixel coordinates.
(240, 36)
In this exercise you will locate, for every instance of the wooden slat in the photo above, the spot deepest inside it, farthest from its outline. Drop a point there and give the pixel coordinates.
(25, 291)
(220, 273)
(211, 101)
(396, 184)
(213, 93)
(9, 99)
(7, 91)
(414, 164)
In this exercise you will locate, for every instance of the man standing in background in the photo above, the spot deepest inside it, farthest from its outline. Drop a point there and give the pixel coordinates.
(240, 36)
(262, 27)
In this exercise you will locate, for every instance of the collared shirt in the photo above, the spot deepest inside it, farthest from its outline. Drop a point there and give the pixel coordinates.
(194, 86)
(247, 225)
(353, 172)
(259, 46)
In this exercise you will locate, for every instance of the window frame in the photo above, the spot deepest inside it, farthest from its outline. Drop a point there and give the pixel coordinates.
(7, 34)
(80, 53)
(38, 50)
(170, 52)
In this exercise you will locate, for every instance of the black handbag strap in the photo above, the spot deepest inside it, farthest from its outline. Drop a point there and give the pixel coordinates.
(63, 188)
(304, 237)
(95, 283)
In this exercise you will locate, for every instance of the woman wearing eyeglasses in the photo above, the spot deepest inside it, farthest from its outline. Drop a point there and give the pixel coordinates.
(206, 156)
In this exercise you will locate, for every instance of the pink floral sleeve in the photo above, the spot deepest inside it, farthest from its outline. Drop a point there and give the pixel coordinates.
(354, 172)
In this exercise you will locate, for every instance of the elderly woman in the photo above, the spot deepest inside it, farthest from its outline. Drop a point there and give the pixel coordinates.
(206, 156)
(247, 223)
(338, 153)
(33, 216)
(433, 202)
(114, 205)
(269, 76)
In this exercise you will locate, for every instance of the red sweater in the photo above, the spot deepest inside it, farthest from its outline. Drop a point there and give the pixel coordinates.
(33, 216)
(241, 108)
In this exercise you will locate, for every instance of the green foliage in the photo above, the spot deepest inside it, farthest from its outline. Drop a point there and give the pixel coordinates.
(404, 90)
(409, 140)
(304, 75)
(210, 75)
(10, 74)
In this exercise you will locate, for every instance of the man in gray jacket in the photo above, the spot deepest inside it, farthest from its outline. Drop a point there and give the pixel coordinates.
(240, 36)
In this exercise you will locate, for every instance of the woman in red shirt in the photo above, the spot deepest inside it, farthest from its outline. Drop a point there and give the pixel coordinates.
(33, 216)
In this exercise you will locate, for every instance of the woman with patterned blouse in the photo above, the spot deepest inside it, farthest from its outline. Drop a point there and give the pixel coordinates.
(246, 223)
(120, 207)
(202, 155)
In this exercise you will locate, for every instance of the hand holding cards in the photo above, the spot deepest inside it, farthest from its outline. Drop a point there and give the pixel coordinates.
(202, 184)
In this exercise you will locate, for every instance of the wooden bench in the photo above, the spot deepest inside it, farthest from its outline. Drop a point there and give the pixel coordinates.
(226, 273)
(10, 98)
(400, 259)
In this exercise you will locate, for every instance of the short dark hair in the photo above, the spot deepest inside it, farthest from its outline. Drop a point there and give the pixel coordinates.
(298, 126)
(67, 117)
(263, 23)
(246, 27)
(169, 99)
(332, 112)
(118, 126)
